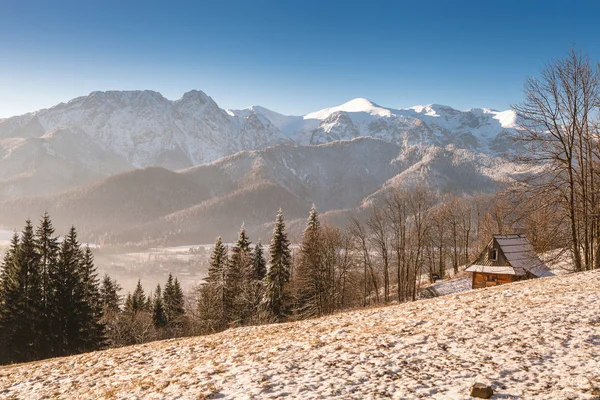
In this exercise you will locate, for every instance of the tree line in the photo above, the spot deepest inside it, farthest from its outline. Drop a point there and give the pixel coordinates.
(49, 296)
(52, 302)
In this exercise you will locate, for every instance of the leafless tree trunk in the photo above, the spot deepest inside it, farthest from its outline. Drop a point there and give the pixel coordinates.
(556, 128)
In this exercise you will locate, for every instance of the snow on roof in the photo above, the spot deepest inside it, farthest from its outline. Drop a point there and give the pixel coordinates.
(519, 254)
(495, 270)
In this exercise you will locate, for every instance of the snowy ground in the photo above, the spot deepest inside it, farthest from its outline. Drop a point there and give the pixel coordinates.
(530, 340)
(451, 286)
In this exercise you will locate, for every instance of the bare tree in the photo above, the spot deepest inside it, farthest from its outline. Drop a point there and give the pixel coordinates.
(379, 239)
(370, 279)
(559, 135)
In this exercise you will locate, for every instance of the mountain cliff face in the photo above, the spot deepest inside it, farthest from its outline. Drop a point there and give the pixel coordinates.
(206, 170)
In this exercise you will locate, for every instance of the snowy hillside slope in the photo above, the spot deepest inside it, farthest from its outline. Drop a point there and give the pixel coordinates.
(536, 339)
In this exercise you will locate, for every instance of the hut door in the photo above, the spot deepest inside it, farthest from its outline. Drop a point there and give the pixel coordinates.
(491, 280)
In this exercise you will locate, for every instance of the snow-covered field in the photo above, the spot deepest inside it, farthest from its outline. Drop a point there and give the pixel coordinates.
(530, 340)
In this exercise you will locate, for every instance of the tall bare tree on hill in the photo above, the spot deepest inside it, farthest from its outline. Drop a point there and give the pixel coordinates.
(557, 127)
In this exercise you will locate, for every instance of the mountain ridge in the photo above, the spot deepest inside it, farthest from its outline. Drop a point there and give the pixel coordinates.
(64, 158)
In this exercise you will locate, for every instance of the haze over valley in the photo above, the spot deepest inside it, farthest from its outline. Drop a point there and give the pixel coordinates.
(134, 167)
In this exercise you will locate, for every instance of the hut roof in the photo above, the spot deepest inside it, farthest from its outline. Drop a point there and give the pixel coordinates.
(520, 256)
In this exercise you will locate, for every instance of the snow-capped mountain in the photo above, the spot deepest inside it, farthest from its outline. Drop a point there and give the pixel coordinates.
(219, 168)
(144, 128)
(94, 136)
(482, 130)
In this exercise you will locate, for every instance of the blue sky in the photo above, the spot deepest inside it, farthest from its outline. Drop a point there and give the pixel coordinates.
(290, 56)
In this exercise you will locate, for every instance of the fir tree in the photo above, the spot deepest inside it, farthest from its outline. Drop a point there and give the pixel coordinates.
(234, 274)
(178, 307)
(91, 311)
(137, 301)
(215, 282)
(173, 299)
(47, 247)
(278, 276)
(259, 265)
(21, 299)
(109, 295)
(311, 289)
(218, 260)
(67, 306)
(159, 317)
(10, 298)
(27, 256)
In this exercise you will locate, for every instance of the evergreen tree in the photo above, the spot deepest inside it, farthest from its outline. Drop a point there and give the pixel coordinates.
(218, 260)
(129, 309)
(278, 276)
(159, 317)
(137, 301)
(91, 312)
(109, 295)
(10, 299)
(178, 307)
(215, 282)
(47, 247)
(66, 303)
(173, 299)
(311, 280)
(21, 299)
(259, 265)
(28, 258)
(235, 271)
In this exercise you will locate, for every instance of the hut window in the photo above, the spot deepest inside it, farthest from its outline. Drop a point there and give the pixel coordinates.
(493, 254)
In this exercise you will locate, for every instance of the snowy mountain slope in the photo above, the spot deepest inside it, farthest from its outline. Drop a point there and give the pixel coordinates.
(94, 136)
(482, 130)
(536, 339)
(201, 202)
(148, 130)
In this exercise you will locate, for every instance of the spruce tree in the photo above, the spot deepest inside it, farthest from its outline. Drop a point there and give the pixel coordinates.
(109, 295)
(137, 301)
(159, 317)
(129, 309)
(234, 274)
(29, 259)
(218, 260)
(278, 276)
(47, 247)
(310, 279)
(215, 282)
(259, 265)
(173, 299)
(178, 307)
(68, 309)
(10, 299)
(21, 299)
(91, 311)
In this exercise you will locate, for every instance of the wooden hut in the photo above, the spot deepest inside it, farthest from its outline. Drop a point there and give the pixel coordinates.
(506, 259)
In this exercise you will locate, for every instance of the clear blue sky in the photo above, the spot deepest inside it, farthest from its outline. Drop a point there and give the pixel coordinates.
(291, 56)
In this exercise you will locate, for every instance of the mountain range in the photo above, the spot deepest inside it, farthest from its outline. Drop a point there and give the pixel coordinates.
(127, 166)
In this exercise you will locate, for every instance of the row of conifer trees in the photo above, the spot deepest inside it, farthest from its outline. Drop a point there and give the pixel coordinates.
(243, 289)
(50, 303)
(53, 304)
(240, 289)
